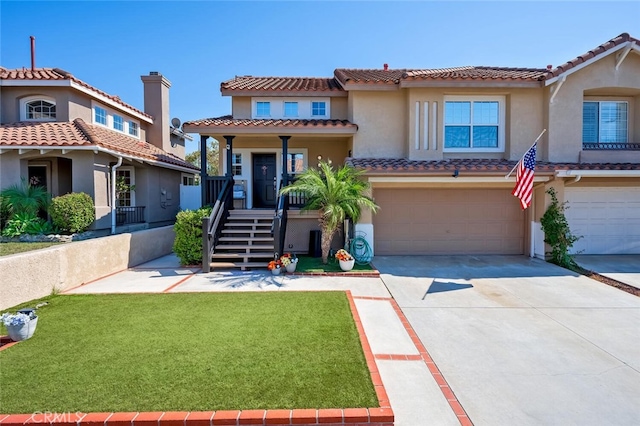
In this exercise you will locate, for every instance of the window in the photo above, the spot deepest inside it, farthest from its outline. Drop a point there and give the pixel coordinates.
(133, 128)
(295, 163)
(40, 110)
(474, 124)
(125, 187)
(118, 123)
(236, 164)
(100, 115)
(188, 180)
(290, 109)
(263, 109)
(604, 122)
(318, 109)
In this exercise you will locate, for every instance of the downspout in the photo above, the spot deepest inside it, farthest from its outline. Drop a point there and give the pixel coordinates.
(113, 195)
(575, 180)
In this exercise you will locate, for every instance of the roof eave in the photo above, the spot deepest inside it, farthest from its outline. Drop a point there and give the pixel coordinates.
(376, 87)
(290, 93)
(471, 83)
(269, 130)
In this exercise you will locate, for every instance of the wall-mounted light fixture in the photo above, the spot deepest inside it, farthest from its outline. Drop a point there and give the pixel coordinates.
(319, 157)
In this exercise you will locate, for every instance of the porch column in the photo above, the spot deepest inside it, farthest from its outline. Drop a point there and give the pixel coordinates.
(285, 153)
(229, 140)
(203, 169)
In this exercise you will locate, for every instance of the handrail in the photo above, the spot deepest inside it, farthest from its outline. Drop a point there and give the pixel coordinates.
(212, 225)
(279, 225)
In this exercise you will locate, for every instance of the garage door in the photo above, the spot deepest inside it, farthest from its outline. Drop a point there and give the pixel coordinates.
(448, 221)
(608, 218)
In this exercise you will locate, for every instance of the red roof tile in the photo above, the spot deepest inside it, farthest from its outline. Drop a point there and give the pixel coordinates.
(230, 122)
(59, 74)
(622, 38)
(483, 73)
(78, 133)
(369, 76)
(274, 84)
(489, 166)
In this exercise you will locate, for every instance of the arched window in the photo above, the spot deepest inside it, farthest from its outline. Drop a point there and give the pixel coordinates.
(38, 108)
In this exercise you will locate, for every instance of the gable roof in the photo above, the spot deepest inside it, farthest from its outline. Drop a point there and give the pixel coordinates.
(248, 84)
(593, 54)
(78, 134)
(46, 75)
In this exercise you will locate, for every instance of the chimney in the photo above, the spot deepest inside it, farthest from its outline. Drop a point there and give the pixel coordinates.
(33, 53)
(156, 104)
(386, 67)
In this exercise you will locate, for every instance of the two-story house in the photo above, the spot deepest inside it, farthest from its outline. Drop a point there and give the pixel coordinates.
(66, 135)
(437, 145)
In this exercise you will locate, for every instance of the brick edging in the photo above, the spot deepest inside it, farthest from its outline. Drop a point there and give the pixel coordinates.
(7, 343)
(366, 274)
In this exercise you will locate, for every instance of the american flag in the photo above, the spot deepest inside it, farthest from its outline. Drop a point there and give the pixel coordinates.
(524, 177)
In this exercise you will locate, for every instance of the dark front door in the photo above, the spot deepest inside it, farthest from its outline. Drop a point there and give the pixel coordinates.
(264, 178)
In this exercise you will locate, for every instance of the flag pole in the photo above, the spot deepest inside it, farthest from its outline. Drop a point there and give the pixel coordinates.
(534, 142)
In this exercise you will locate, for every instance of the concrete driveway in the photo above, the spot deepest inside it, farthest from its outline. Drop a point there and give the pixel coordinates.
(623, 268)
(521, 341)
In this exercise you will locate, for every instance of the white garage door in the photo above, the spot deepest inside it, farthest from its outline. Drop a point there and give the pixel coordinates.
(608, 218)
(447, 221)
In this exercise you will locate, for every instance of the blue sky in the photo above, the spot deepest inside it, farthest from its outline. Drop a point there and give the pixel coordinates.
(197, 45)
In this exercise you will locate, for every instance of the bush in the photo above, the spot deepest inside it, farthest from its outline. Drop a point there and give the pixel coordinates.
(557, 232)
(72, 212)
(188, 243)
(26, 223)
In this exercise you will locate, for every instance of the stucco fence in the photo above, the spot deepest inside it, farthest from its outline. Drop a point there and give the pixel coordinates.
(34, 274)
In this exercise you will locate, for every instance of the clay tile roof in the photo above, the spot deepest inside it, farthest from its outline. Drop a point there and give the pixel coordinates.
(273, 84)
(483, 73)
(622, 38)
(230, 122)
(495, 166)
(59, 74)
(79, 133)
(369, 76)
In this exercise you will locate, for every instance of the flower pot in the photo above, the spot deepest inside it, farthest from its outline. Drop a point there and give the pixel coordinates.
(291, 267)
(347, 265)
(275, 271)
(22, 331)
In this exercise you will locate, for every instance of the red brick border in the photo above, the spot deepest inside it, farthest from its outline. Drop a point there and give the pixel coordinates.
(6, 342)
(379, 416)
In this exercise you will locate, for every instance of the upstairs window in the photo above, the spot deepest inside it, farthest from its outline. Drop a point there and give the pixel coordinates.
(290, 109)
(133, 128)
(100, 115)
(41, 110)
(318, 109)
(118, 123)
(473, 124)
(604, 122)
(263, 109)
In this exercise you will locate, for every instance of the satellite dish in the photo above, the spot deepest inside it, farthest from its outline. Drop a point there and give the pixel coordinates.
(175, 122)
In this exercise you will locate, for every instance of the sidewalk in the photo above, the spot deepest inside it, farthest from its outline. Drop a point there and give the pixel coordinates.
(417, 391)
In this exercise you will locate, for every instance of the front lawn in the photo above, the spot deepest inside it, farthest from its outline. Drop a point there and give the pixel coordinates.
(188, 352)
(13, 248)
(314, 264)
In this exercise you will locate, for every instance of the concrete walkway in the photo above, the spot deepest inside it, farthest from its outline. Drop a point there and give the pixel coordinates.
(418, 393)
(522, 341)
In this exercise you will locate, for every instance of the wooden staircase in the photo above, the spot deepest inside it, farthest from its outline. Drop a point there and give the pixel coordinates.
(245, 241)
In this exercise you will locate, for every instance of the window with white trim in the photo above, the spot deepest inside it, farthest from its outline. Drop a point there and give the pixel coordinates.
(40, 109)
(318, 109)
(100, 115)
(236, 164)
(133, 128)
(295, 163)
(290, 109)
(118, 123)
(605, 121)
(474, 123)
(125, 178)
(263, 109)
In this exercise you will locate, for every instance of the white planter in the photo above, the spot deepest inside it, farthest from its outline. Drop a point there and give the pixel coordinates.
(275, 271)
(291, 267)
(347, 265)
(23, 331)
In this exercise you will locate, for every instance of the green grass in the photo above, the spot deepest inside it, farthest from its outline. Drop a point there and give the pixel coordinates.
(188, 352)
(13, 248)
(314, 264)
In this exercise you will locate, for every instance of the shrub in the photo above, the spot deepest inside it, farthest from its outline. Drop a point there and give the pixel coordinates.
(26, 223)
(188, 243)
(72, 212)
(5, 212)
(25, 198)
(557, 232)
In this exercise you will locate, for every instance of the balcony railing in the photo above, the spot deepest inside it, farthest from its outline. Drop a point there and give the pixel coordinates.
(129, 214)
(594, 146)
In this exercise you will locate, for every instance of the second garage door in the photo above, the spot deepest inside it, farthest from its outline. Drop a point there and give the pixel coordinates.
(447, 221)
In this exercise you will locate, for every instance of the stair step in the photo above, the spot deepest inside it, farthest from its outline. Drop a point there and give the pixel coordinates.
(251, 212)
(243, 224)
(246, 231)
(244, 247)
(252, 239)
(223, 255)
(242, 265)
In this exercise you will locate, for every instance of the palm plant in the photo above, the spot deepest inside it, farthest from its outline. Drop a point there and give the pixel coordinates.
(25, 198)
(336, 194)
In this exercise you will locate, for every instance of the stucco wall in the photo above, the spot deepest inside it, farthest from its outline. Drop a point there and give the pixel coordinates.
(240, 107)
(35, 274)
(339, 108)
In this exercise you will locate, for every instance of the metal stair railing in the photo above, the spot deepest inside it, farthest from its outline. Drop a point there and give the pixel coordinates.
(212, 225)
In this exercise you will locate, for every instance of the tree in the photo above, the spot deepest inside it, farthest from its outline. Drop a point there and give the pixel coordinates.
(337, 194)
(213, 153)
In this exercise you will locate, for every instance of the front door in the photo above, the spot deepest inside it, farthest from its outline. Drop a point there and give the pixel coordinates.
(264, 180)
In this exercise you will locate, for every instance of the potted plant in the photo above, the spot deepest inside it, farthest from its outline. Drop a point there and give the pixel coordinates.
(289, 262)
(275, 267)
(20, 326)
(345, 259)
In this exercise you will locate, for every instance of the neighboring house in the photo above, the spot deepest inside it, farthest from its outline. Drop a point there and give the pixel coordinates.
(437, 144)
(62, 133)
